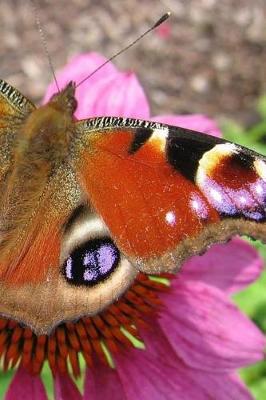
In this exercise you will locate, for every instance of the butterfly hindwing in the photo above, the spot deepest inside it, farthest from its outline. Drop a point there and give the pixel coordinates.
(165, 192)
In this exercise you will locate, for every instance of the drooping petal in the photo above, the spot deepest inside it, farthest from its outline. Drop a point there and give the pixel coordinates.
(207, 331)
(157, 373)
(143, 377)
(230, 267)
(25, 386)
(65, 388)
(102, 382)
(196, 122)
(208, 385)
(116, 95)
(222, 386)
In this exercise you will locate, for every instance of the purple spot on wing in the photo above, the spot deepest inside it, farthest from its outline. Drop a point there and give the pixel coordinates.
(199, 206)
(90, 262)
(69, 268)
(218, 197)
(250, 201)
(259, 191)
(106, 257)
(89, 259)
(243, 199)
(99, 262)
(90, 275)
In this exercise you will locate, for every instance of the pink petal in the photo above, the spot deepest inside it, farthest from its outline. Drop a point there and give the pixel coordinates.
(102, 382)
(206, 330)
(195, 122)
(157, 373)
(108, 92)
(222, 386)
(212, 385)
(230, 267)
(77, 69)
(25, 386)
(65, 388)
(115, 95)
(145, 377)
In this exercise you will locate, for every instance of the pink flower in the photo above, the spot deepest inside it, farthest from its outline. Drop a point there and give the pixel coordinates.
(195, 338)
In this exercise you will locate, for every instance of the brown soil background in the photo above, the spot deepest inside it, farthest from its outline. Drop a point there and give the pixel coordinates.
(212, 61)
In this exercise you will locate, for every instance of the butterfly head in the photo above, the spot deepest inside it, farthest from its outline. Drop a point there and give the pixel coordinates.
(65, 100)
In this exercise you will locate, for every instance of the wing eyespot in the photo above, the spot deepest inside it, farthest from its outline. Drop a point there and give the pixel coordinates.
(92, 262)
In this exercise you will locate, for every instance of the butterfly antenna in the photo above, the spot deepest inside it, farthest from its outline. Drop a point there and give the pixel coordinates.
(159, 22)
(43, 39)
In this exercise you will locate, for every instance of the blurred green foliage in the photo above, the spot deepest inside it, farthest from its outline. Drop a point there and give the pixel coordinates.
(253, 300)
(253, 137)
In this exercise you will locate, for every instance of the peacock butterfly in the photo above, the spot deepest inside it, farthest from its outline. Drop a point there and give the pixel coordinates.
(87, 204)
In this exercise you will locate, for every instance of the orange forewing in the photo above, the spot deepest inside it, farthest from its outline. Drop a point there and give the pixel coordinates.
(147, 205)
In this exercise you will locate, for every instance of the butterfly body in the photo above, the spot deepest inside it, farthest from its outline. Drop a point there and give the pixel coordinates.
(86, 204)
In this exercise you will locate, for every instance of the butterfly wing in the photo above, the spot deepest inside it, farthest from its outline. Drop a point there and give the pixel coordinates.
(45, 283)
(30, 249)
(14, 108)
(167, 193)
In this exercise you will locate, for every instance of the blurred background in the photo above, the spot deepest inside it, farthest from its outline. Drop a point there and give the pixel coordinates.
(209, 58)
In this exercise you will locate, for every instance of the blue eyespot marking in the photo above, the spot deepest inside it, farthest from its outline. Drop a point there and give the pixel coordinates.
(92, 262)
